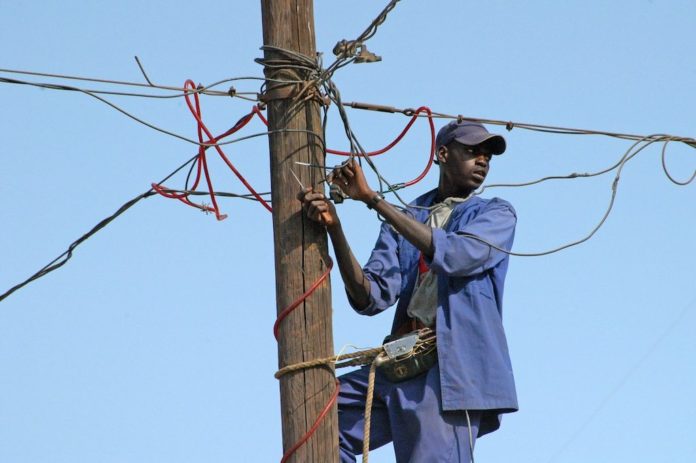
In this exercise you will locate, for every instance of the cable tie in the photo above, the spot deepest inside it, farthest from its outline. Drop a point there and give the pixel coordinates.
(509, 126)
(232, 91)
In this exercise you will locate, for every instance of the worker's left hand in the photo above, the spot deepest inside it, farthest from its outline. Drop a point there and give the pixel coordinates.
(350, 178)
(317, 207)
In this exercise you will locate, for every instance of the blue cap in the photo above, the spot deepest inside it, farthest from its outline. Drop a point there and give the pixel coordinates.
(470, 134)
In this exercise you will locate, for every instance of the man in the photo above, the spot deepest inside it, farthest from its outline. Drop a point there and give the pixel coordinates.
(442, 263)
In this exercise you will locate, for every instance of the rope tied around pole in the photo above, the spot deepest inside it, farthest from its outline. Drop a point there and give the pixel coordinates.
(374, 357)
(292, 75)
(363, 357)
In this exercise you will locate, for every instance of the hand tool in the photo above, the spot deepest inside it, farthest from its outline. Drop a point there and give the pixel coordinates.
(335, 193)
(325, 216)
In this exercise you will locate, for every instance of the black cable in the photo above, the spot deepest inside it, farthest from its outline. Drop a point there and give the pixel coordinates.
(67, 255)
(206, 90)
(141, 121)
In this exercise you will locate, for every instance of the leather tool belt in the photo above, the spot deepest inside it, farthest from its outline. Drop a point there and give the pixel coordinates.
(409, 355)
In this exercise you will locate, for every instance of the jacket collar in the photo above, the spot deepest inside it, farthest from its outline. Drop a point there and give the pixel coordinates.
(428, 199)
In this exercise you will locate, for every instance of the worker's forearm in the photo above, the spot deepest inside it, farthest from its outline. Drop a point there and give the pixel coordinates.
(418, 234)
(357, 285)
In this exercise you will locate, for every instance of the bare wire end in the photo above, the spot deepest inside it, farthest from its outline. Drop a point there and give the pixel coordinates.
(142, 69)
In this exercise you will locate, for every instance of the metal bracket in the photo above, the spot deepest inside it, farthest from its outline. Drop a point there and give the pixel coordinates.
(366, 56)
(401, 346)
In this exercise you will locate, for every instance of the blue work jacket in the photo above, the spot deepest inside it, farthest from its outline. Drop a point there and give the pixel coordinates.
(475, 367)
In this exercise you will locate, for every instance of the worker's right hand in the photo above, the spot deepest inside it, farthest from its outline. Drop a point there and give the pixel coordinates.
(318, 208)
(349, 177)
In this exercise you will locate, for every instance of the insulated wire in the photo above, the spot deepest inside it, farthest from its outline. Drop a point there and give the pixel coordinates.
(629, 154)
(647, 141)
(509, 125)
(666, 170)
(141, 121)
(67, 255)
(207, 90)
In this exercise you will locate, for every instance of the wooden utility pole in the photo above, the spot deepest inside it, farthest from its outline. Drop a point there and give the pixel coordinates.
(301, 251)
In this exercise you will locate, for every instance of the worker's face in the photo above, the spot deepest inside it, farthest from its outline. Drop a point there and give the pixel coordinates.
(465, 167)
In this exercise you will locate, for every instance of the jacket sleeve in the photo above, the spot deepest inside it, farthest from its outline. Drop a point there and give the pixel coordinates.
(460, 253)
(384, 273)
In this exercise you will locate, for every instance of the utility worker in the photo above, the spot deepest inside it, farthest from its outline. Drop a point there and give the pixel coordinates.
(440, 262)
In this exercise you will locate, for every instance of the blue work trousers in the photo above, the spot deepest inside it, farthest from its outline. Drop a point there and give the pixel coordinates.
(409, 414)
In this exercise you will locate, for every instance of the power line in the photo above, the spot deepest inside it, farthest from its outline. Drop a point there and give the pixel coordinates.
(509, 125)
(355, 105)
(207, 90)
(142, 121)
(634, 149)
(67, 255)
(111, 104)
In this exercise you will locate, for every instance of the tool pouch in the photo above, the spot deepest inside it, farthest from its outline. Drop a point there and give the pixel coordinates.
(409, 356)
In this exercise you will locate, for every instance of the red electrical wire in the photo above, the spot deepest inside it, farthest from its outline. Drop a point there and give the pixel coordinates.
(202, 163)
(258, 112)
(431, 157)
(202, 126)
(276, 326)
(397, 139)
(432, 146)
(408, 126)
(315, 426)
(286, 311)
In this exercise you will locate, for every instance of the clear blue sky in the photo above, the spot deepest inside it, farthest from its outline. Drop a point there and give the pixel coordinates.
(154, 343)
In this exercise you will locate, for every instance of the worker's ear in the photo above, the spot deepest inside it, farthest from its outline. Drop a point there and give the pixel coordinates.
(442, 153)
